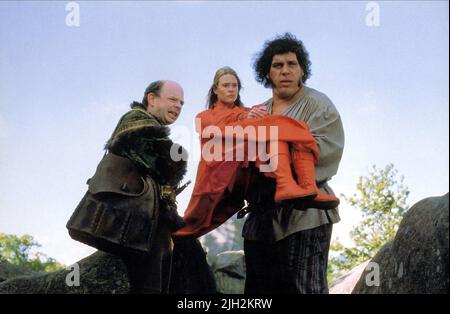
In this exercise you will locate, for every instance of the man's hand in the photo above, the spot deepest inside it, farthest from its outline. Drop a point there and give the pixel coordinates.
(258, 111)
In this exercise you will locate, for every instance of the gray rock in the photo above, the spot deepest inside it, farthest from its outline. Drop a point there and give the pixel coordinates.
(103, 273)
(227, 237)
(8, 271)
(229, 271)
(416, 261)
(99, 274)
(344, 284)
(224, 253)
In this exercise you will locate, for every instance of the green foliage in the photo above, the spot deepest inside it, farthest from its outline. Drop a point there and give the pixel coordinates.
(381, 198)
(17, 251)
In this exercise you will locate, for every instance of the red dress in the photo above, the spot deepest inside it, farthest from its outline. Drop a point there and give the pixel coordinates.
(221, 184)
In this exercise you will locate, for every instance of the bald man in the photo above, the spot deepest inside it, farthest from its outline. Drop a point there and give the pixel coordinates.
(130, 209)
(164, 100)
(142, 137)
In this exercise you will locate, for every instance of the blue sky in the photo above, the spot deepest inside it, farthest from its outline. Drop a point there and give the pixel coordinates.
(63, 89)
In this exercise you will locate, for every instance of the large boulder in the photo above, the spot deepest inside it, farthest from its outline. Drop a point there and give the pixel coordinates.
(229, 271)
(99, 273)
(344, 284)
(225, 255)
(226, 237)
(8, 271)
(103, 273)
(416, 261)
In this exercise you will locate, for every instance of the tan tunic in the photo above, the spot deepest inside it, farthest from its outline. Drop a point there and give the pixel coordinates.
(317, 110)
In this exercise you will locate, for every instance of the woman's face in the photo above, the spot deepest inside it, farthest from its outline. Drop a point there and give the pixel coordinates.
(227, 89)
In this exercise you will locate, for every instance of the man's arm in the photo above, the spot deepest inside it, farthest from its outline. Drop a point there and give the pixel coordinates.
(326, 127)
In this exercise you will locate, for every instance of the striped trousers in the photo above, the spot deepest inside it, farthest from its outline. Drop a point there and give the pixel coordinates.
(295, 264)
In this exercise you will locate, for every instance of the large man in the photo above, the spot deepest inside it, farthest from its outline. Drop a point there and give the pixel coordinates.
(286, 249)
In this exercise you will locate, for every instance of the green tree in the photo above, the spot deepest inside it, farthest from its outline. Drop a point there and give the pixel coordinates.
(381, 198)
(17, 251)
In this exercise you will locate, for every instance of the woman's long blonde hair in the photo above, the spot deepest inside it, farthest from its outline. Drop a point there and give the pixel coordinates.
(212, 97)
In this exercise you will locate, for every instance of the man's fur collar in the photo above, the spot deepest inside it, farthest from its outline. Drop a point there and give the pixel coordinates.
(139, 123)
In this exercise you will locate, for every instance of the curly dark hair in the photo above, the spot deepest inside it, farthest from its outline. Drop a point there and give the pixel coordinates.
(281, 44)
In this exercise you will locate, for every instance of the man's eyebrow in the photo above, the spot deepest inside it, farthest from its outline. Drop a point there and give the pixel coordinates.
(177, 99)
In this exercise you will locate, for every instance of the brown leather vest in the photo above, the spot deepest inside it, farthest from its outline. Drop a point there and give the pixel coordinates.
(119, 212)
